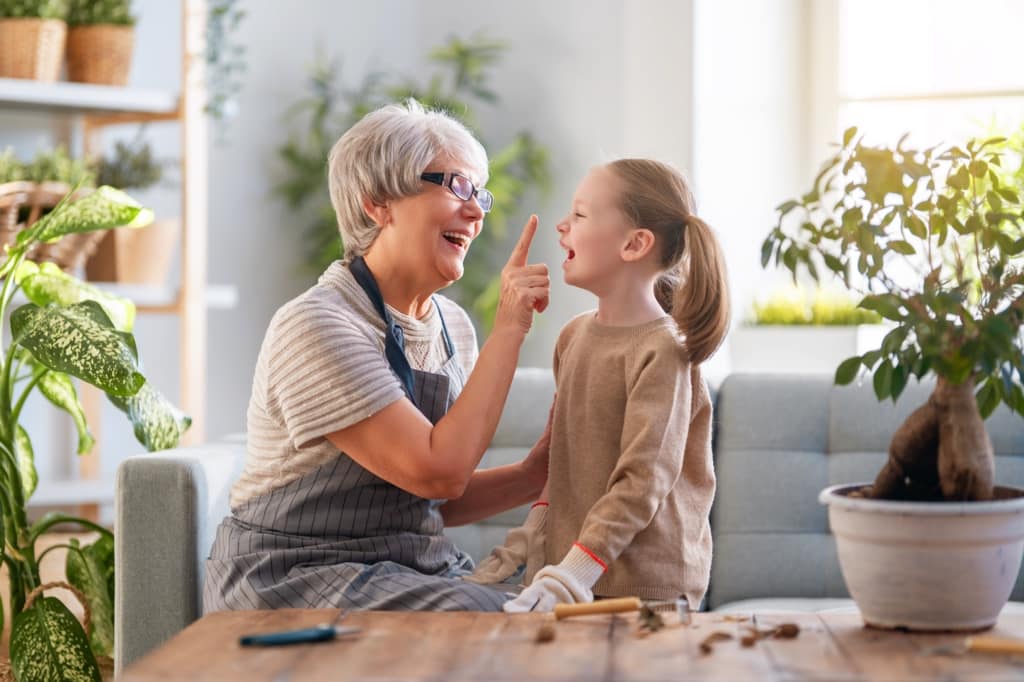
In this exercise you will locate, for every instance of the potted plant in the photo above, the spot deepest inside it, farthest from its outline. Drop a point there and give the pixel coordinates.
(32, 35)
(67, 329)
(933, 241)
(796, 331)
(30, 190)
(126, 255)
(100, 41)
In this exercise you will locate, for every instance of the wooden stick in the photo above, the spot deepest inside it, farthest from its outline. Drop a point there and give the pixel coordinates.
(995, 645)
(603, 606)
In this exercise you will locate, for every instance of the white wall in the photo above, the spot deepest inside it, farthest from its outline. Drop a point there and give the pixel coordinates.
(750, 85)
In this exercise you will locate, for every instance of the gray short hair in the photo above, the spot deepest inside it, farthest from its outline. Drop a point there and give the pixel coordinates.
(381, 158)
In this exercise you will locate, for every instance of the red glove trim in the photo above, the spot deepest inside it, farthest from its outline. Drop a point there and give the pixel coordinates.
(591, 555)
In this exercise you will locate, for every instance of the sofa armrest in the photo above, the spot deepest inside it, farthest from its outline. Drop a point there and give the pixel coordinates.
(167, 506)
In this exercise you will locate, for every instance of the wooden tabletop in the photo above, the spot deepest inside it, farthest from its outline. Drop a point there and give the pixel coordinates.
(494, 646)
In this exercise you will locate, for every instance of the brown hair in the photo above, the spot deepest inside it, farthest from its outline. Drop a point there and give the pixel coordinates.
(693, 287)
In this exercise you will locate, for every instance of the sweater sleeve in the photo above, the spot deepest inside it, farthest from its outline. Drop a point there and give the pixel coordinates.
(655, 427)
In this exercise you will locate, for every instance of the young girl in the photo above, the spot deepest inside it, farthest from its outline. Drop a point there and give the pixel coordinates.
(630, 478)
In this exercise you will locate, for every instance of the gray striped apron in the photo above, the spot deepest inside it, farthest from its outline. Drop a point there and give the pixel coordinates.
(342, 537)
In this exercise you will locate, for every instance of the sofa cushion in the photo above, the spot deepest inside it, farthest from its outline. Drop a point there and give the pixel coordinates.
(779, 440)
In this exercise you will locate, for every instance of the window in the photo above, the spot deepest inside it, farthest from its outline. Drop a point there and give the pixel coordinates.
(944, 70)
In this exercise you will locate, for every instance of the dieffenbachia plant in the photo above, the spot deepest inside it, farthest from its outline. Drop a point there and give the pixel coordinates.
(67, 329)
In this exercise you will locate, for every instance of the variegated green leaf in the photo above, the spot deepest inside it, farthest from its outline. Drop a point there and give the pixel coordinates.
(49, 645)
(80, 340)
(52, 285)
(100, 210)
(25, 269)
(158, 424)
(59, 389)
(26, 461)
(91, 570)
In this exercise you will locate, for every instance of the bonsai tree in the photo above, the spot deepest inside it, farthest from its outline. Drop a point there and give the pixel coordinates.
(67, 329)
(932, 240)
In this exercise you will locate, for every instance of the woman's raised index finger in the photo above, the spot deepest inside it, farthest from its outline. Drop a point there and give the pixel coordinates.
(522, 247)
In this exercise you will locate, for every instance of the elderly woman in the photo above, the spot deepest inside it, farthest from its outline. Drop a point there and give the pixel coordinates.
(370, 406)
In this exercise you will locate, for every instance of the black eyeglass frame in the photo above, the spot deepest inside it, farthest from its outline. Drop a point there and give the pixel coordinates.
(484, 198)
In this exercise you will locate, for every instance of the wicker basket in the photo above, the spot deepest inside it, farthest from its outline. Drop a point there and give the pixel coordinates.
(100, 53)
(22, 203)
(32, 48)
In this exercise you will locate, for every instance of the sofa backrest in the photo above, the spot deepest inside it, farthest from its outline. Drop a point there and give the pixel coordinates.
(781, 439)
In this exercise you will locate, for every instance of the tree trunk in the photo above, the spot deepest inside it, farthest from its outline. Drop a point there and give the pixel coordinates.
(941, 452)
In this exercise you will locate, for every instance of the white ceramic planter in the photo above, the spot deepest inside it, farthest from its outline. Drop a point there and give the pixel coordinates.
(799, 348)
(928, 565)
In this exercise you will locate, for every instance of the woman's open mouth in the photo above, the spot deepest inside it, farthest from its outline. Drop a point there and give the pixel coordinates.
(457, 239)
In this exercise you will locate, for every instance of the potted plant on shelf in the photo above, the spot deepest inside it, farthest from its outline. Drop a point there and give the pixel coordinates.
(126, 255)
(933, 241)
(101, 34)
(68, 329)
(32, 35)
(30, 190)
(794, 331)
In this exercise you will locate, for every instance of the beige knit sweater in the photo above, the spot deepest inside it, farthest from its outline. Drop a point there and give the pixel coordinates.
(631, 475)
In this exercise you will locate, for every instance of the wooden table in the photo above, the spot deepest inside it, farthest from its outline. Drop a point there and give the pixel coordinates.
(494, 646)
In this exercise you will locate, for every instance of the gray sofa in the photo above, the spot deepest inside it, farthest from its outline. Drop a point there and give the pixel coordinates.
(779, 441)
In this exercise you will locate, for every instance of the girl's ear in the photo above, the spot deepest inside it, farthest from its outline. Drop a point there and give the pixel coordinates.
(638, 244)
(378, 213)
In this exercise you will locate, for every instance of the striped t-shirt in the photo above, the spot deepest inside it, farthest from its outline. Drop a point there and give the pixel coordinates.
(322, 368)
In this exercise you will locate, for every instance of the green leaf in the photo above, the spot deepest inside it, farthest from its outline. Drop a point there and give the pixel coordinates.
(91, 570)
(978, 168)
(987, 398)
(101, 210)
(883, 380)
(960, 179)
(59, 389)
(157, 423)
(847, 370)
(900, 375)
(80, 340)
(26, 461)
(766, 251)
(901, 246)
(49, 645)
(848, 135)
(886, 305)
(52, 285)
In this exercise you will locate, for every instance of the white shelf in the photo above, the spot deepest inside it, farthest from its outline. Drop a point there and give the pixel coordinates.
(68, 492)
(219, 296)
(81, 97)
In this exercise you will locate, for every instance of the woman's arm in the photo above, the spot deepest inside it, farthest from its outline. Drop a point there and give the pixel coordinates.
(401, 446)
(492, 491)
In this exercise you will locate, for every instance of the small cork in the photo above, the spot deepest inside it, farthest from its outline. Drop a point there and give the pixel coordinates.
(545, 633)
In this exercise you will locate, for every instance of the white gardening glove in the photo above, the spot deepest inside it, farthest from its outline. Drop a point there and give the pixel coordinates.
(569, 582)
(522, 544)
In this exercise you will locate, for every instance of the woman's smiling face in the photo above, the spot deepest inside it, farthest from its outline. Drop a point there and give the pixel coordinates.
(438, 227)
(594, 232)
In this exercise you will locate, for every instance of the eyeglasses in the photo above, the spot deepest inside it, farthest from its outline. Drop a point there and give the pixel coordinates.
(462, 187)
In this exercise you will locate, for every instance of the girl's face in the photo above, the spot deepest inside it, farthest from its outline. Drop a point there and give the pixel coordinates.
(594, 233)
(435, 227)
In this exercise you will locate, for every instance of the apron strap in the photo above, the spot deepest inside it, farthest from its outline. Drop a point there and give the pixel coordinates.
(394, 338)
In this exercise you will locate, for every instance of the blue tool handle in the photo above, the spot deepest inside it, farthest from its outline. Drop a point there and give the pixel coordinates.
(320, 633)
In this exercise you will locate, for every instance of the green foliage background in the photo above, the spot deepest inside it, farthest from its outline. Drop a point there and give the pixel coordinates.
(460, 83)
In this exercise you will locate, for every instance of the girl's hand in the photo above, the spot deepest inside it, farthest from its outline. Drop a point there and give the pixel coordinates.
(524, 288)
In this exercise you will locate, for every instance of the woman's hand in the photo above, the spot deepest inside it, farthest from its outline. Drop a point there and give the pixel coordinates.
(535, 465)
(524, 288)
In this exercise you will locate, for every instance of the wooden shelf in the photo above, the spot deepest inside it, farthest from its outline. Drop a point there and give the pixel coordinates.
(81, 98)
